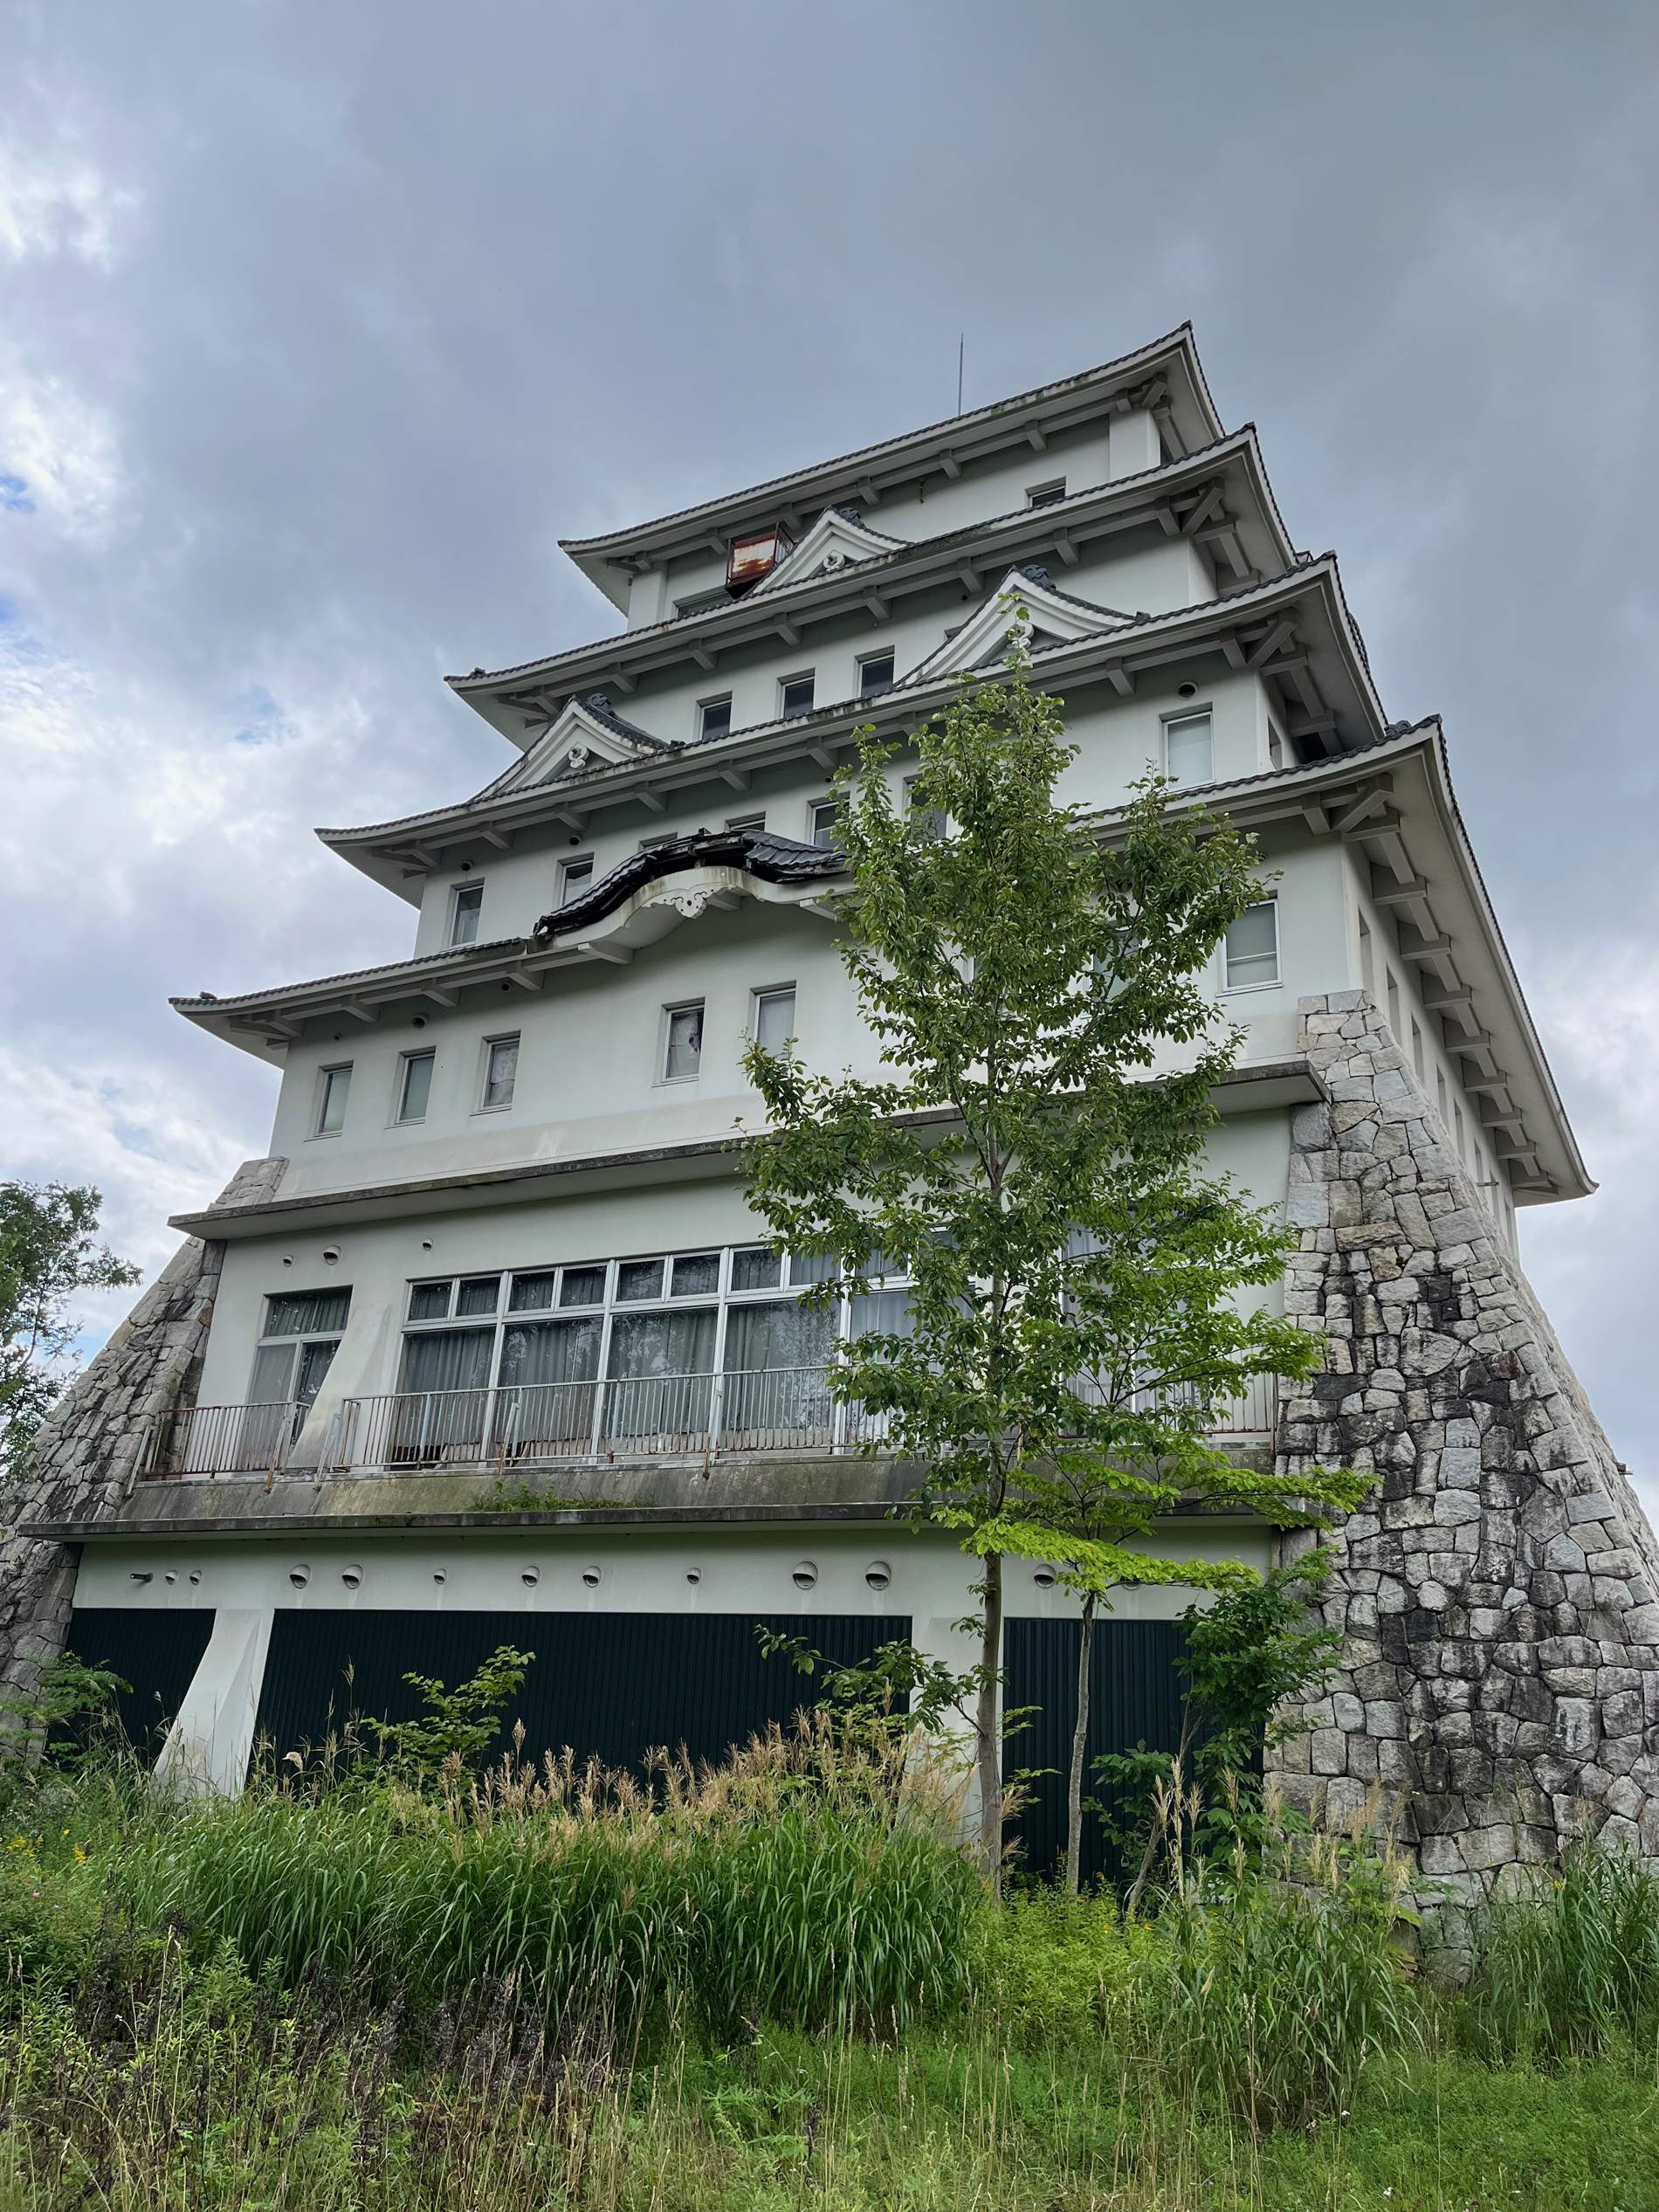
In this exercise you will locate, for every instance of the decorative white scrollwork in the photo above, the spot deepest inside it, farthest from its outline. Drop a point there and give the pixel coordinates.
(690, 903)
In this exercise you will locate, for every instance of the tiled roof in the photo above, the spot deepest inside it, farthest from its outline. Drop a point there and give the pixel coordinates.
(451, 955)
(774, 859)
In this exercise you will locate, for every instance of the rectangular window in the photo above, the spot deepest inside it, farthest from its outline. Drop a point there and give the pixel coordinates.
(464, 911)
(875, 673)
(574, 878)
(756, 1269)
(662, 838)
(638, 1278)
(682, 1042)
(796, 694)
(751, 822)
(331, 1094)
(430, 1301)
(1417, 1051)
(533, 1293)
(1393, 994)
(929, 820)
(1462, 1143)
(1367, 976)
(1188, 751)
(500, 1074)
(301, 1335)
(771, 1023)
(1253, 947)
(583, 1287)
(306, 1312)
(714, 716)
(477, 1294)
(1440, 1093)
(415, 1087)
(1050, 494)
(822, 818)
(694, 1275)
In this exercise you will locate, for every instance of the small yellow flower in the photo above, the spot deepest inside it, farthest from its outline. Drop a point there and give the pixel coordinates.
(17, 1844)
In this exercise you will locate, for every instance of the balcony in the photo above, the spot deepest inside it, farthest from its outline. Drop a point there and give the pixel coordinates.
(224, 1440)
(769, 1410)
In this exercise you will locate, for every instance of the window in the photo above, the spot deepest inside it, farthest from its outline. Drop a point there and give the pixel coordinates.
(701, 603)
(500, 1074)
(682, 1042)
(929, 820)
(771, 1023)
(822, 817)
(1050, 494)
(1367, 976)
(796, 694)
(332, 1091)
(467, 906)
(1252, 957)
(662, 838)
(875, 673)
(745, 821)
(1417, 1051)
(297, 1345)
(714, 716)
(1440, 1093)
(574, 878)
(415, 1085)
(1187, 749)
(1394, 1004)
(1462, 1143)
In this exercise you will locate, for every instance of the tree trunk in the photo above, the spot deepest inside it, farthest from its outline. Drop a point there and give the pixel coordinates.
(1079, 1748)
(988, 1728)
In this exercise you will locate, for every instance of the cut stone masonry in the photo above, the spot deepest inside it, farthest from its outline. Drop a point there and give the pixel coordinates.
(1496, 1595)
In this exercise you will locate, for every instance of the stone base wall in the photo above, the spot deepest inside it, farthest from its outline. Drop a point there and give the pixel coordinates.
(1496, 1592)
(86, 1457)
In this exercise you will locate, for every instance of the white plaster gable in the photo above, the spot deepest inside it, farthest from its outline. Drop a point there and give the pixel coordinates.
(1026, 602)
(837, 540)
(588, 734)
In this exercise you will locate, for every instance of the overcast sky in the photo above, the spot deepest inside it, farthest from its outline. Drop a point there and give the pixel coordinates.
(319, 324)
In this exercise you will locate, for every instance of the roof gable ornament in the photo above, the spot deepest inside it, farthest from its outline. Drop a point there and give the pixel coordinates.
(1026, 606)
(588, 734)
(839, 538)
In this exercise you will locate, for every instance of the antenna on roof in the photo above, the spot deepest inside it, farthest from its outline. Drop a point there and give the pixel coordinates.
(962, 344)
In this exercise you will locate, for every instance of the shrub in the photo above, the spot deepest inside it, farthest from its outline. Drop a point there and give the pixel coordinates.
(1051, 1968)
(1568, 1967)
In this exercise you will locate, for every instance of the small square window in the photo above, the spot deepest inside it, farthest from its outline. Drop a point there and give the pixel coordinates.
(430, 1301)
(638, 1278)
(500, 1074)
(1253, 947)
(695, 1275)
(574, 878)
(1189, 750)
(415, 1089)
(796, 694)
(1050, 494)
(823, 817)
(478, 1294)
(464, 914)
(532, 1294)
(751, 822)
(583, 1287)
(332, 1095)
(714, 716)
(875, 674)
(683, 1043)
(757, 1268)
(772, 1023)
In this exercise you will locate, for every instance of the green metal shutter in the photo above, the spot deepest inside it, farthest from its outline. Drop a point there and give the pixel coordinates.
(1134, 1697)
(609, 1685)
(157, 1652)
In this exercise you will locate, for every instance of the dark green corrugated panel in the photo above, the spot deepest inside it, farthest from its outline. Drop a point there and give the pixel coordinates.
(1134, 1697)
(607, 1684)
(157, 1652)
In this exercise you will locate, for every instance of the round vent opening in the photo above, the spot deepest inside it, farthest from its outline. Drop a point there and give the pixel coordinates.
(693, 1573)
(300, 1576)
(1043, 1576)
(530, 1576)
(879, 1573)
(352, 1577)
(805, 1575)
(591, 1576)
(440, 1573)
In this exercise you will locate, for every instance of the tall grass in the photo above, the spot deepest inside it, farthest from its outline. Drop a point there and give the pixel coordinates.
(1566, 1965)
(805, 1881)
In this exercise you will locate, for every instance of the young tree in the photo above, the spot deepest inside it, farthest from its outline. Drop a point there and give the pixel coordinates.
(1033, 1160)
(47, 1255)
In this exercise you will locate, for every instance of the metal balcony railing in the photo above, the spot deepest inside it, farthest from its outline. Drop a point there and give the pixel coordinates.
(642, 1416)
(224, 1440)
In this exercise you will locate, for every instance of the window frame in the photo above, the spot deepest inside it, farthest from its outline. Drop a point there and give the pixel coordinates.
(296, 1340)
(1231, 990)
(464, 888)
(664, 1037)
(325, 1075)
(582, 860)
(714, 700)
(862, 661)
(400, 1095)
(754, 824)
(815, 807)
(801, 676)
(1048, 493)
(1172, 720)
(762, 992)
(487, 1048)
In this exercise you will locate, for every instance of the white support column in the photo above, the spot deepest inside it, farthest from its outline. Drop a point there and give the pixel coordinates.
(1133, 443)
